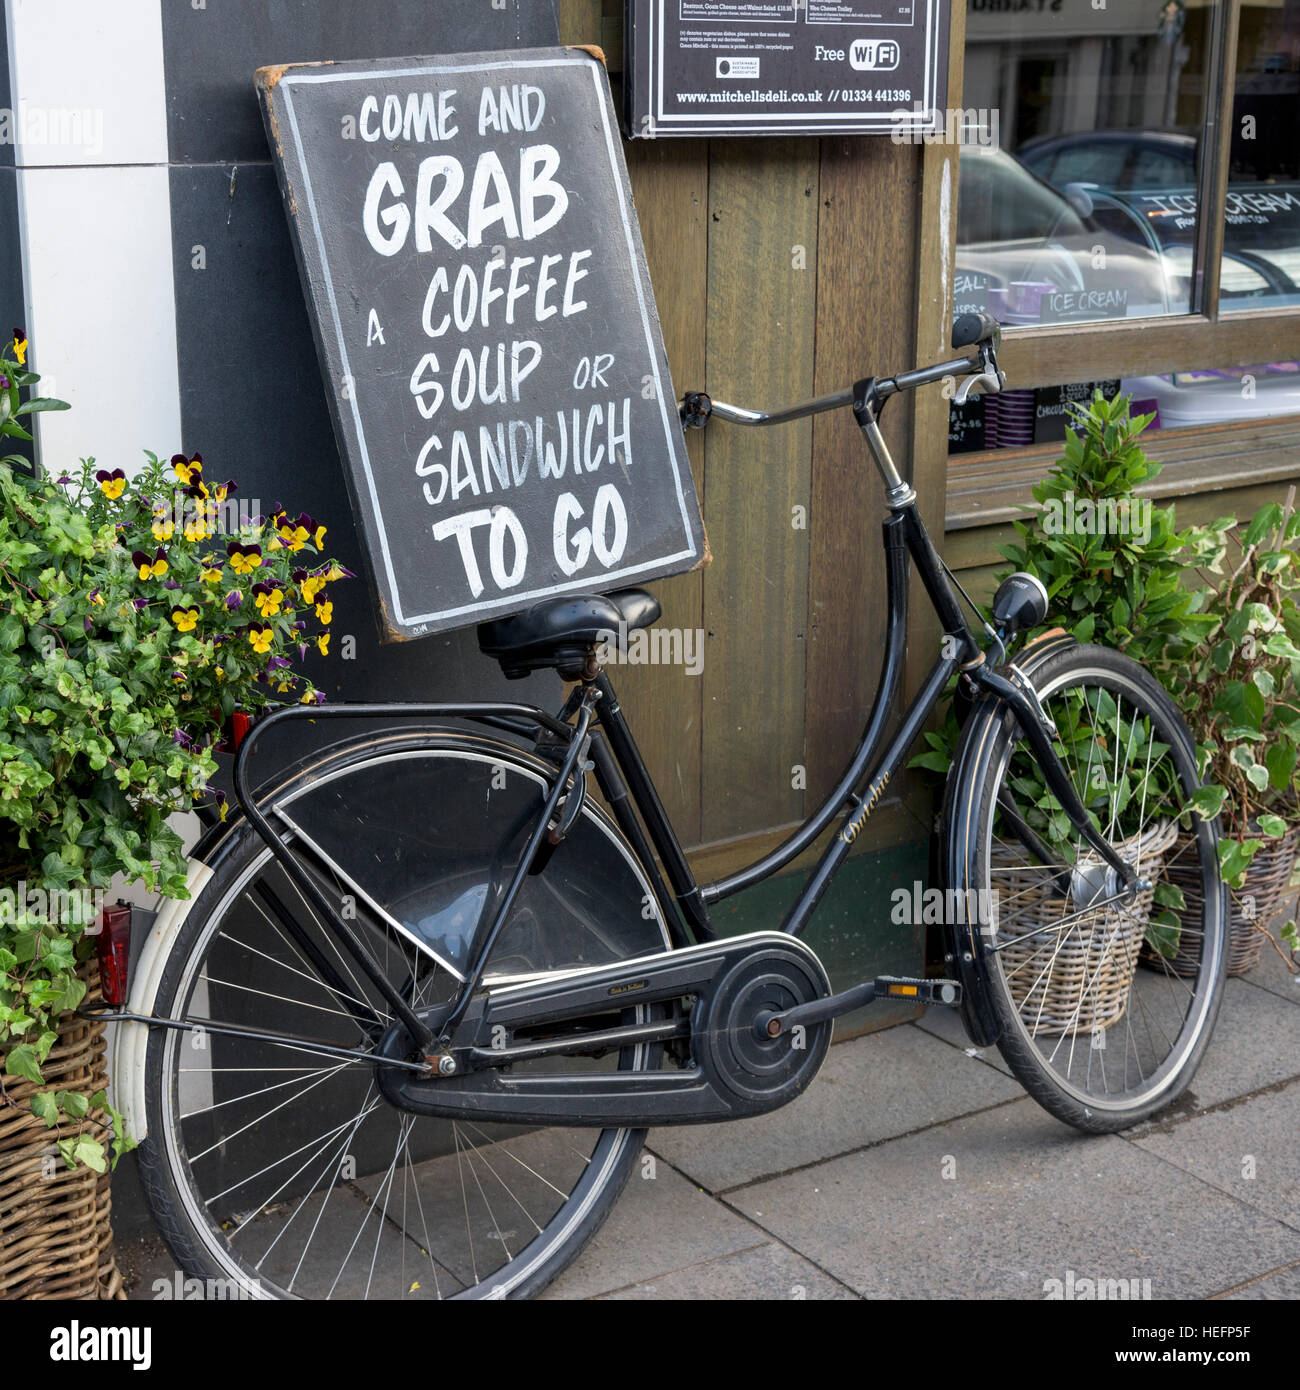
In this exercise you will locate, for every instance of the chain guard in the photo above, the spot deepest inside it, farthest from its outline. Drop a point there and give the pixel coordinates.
(732, 1071)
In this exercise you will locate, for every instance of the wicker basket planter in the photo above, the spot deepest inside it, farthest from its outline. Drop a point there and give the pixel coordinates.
(1078, 980)
(55, 1233)
(1259, 899)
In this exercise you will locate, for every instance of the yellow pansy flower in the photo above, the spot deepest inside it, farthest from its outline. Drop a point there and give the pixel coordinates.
(186, 619)
(259, 638)
(324, 612)
(267, 599)
(244, 559)
(292, 536)
(150, 566)
(113, 484)
(188, 470)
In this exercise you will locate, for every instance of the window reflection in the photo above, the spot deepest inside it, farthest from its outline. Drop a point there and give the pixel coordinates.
(1087, 209)
(1211, 397)
(1093, 103)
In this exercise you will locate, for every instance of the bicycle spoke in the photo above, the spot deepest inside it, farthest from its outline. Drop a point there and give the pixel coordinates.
(1079, 964)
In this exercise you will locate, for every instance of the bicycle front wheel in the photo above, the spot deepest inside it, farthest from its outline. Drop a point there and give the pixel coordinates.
(286, 1173)
(1105, 1002)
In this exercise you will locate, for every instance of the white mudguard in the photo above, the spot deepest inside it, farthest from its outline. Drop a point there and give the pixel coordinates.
(127, 1052)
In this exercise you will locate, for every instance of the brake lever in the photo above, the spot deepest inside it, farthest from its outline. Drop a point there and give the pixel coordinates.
(991, 382)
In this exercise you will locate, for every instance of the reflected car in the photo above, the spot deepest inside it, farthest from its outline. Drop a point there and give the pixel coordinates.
(1029, 253)
(1113, 159)
(1143, 182)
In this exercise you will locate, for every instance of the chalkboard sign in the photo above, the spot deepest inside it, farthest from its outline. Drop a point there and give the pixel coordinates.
(485, 322)
(801, 67)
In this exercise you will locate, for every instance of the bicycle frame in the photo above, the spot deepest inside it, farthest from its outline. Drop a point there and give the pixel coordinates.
(599, 727)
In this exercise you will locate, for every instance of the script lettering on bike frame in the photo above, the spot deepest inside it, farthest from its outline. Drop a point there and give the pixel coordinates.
(485, 322)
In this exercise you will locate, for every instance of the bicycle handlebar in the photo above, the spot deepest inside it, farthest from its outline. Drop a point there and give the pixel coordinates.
(696, 408)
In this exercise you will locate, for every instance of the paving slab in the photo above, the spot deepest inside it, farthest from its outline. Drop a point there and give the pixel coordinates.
(1028, 1201)
(1272, 974)
(869, 1089)
(1246, 1149)
(143, 1261)
(1253, 1047)
(1283, 1286)
(660, 1224)
(945, 1024)
(768, 1272)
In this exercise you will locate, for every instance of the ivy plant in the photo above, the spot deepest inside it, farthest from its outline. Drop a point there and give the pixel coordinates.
(1239, 689)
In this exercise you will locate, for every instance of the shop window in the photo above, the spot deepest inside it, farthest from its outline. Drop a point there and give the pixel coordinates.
(1088, 209)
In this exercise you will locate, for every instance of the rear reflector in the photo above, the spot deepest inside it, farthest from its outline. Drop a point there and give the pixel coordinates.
(115, 953)
(237, 725)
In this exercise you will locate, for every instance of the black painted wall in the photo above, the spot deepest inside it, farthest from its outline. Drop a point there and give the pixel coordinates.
(252, 399)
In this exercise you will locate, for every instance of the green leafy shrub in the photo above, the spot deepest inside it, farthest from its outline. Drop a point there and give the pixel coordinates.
(131, 625)
(1227, 649)
(1111, 561)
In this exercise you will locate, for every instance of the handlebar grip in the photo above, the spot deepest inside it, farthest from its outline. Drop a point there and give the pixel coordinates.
(974, 328)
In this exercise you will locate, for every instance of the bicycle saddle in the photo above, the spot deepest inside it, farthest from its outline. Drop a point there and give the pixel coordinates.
(561, 631)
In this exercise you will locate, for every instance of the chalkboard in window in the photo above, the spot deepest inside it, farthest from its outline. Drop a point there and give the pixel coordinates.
(485, 321)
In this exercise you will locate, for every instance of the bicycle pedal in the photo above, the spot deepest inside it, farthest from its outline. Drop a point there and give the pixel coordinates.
(923, 991)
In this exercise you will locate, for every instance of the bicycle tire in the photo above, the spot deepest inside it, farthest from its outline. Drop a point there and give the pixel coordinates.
(1032, 1048)
(168, 1169)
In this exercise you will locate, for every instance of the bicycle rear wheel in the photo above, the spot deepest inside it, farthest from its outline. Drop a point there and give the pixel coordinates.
(286, 1173)
(1095, 1021)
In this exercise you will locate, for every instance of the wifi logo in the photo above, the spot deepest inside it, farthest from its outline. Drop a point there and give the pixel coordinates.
(874, 55)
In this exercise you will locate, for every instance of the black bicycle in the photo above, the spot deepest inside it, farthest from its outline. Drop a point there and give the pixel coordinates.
(408, 1035)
